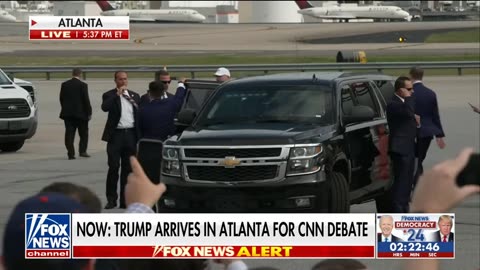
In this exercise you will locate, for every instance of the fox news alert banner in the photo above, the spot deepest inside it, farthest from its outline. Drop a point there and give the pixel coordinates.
(200, 236)
(416, 236)
(79, 28)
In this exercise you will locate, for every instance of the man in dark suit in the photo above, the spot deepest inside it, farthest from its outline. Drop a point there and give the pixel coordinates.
(426, 107)
(121, 135)
(156, 119)
(76, 112)
(403, 128)
(386, 226)
(163, 77)
(445, 233)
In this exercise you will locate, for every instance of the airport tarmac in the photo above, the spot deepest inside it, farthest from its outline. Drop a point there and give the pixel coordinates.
(43, 160)
(162, 39)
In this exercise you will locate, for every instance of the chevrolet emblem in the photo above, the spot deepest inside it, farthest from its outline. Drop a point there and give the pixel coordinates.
(230, 162)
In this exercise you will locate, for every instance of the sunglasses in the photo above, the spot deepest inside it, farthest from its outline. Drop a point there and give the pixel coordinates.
(166, 82)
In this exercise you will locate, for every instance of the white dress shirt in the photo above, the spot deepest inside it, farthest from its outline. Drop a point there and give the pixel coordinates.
(402, 99)
(126, 119)
(441, 237)
(389, 238)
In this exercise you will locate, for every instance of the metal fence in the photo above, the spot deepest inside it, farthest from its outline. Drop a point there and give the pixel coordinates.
(265, 68)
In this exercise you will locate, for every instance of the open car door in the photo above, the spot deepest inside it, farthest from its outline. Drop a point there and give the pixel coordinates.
(198, 92)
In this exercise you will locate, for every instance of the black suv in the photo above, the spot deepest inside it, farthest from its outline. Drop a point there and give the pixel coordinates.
(302, 142)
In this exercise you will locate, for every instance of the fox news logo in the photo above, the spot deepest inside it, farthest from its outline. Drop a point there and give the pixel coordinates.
(47, 236)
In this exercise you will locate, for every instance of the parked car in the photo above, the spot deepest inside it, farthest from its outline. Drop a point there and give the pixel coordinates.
(18, 113)
(302, 142)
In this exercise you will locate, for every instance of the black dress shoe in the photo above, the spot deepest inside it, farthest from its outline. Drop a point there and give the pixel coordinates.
(110, 205)
(84, 155)
(70, 158)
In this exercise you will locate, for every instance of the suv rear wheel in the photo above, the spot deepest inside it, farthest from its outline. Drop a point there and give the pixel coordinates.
(11, 146)
(339, 201)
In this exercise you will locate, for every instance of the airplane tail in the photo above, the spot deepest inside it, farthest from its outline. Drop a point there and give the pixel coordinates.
(105, 5)
(302, 4)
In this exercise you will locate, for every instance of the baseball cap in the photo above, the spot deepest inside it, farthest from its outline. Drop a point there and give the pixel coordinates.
(222, 72)
(14, 238)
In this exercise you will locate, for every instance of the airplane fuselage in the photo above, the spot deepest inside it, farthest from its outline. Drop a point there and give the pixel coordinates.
(356, 12)
(167, 15)
(7, 17)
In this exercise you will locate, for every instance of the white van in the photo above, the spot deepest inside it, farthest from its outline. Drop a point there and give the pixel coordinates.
(18, 113)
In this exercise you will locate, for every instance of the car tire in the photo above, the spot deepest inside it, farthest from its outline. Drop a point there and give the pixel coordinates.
(339, 201)
(11, 146)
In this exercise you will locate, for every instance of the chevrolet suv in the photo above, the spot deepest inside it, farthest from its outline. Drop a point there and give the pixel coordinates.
(18, 113)
(302, 142)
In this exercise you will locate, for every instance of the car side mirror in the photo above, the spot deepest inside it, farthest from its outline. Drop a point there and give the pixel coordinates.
(185, 117)
(359, 113)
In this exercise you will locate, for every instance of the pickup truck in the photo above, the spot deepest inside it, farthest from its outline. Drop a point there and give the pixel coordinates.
(18, 113)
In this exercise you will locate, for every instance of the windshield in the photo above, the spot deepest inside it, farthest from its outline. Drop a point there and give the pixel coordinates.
(4, 79)
(272, 103)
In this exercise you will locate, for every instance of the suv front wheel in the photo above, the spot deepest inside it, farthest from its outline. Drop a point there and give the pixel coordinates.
(339, 201)
(11, 146)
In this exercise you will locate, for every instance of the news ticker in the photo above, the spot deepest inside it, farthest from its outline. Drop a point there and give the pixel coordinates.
(79, 28)
(235, 236)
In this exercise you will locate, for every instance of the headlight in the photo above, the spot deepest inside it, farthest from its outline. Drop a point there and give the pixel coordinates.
(170, 162)
(304, 160)
(30, 100)
(305, 152)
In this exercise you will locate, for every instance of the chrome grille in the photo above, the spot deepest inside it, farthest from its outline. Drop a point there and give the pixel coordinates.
(14, 108)
(237, 153)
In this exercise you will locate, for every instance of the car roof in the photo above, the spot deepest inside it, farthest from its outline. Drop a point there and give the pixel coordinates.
(308, 76)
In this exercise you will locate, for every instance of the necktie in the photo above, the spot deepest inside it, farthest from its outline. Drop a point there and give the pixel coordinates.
(386, 240)
(444, 238)
(130, 100)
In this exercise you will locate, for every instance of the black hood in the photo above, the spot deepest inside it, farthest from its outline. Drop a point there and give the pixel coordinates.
(255, 134)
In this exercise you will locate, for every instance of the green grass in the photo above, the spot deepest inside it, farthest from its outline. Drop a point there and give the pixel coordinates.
(217, 60)
(214, 60)
(455, 37)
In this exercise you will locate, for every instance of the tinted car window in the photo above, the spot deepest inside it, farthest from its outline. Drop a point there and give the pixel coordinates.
(365, 96)
(304, 103)
(4, 79)
(386, 89)
(347, 100)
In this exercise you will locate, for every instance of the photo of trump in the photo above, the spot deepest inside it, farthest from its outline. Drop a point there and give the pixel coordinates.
(386, 226)
(444, 234)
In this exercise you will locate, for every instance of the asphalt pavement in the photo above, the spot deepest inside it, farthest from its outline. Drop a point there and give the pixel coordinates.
(43, 160)
(156, 40)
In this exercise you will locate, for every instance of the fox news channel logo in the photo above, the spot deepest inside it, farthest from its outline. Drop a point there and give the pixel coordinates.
(47, 236)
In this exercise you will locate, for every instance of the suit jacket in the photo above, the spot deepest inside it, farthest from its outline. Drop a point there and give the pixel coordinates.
(111, 103)
(156, 118)
(427, 107)
(74, 100)
(394, 238)
(145, 98)
(402, 125)
(437, 237)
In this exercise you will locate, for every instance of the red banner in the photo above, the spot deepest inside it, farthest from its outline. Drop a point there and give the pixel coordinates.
(223, 251)
(103, 34)
(415, 255)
